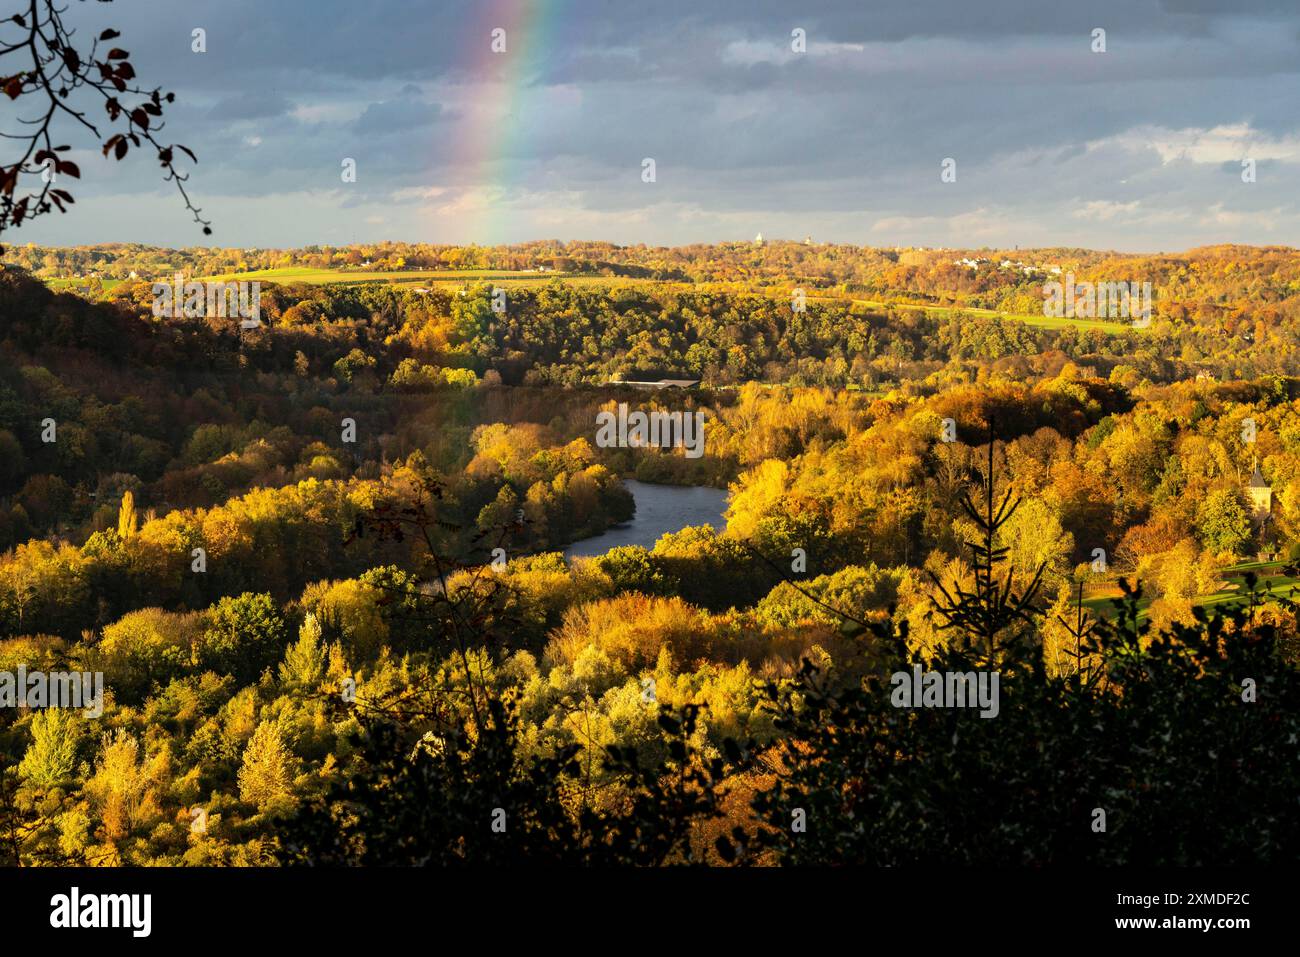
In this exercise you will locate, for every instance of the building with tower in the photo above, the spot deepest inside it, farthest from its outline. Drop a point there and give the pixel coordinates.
(1260, 494)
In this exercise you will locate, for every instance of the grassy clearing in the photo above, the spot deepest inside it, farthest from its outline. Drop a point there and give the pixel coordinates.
(321, 277)
(80, 285)
(433, 277)
(1272, 582)
(1043, 322)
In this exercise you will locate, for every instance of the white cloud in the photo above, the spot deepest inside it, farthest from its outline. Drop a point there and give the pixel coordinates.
(1105, 209)
(1266, 219)
(1214, 145)
(751, 52)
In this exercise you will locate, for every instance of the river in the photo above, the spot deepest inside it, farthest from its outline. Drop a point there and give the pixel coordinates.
(659, 509)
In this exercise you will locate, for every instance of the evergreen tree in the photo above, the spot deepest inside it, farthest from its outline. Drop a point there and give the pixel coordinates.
(52, 757)
(304, 661)
(267, 771)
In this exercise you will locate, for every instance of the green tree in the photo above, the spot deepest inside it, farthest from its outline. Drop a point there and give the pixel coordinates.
(244, 634)
(503, 510)
(632, 568)
(52, 757)
(304, 661)
(352, 364)
(461, 378)
(411, 374)
(1223, 521)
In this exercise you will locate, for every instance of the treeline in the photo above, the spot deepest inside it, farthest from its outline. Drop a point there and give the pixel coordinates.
(1229, 288)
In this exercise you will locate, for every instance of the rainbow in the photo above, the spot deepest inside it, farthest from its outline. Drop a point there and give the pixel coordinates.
(491, 140)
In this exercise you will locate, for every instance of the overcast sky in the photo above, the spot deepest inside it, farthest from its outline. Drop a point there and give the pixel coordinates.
(1137, 148)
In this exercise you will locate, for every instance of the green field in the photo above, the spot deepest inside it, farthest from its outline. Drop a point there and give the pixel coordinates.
(1044, 322)
(320, 277)
(531, 279)
(1275, 584)
(74, 285)
(1272, 584)
(444, 277)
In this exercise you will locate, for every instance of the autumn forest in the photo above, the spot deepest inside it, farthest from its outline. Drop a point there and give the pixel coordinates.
(320, 562)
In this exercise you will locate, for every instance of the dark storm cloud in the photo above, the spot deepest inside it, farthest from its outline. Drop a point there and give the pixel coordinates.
(249, 106)
(397, 115)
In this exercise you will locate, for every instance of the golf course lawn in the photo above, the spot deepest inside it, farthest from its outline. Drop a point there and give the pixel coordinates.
(1271, 581)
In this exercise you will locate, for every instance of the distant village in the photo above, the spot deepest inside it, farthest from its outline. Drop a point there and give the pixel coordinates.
(1029, 269)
